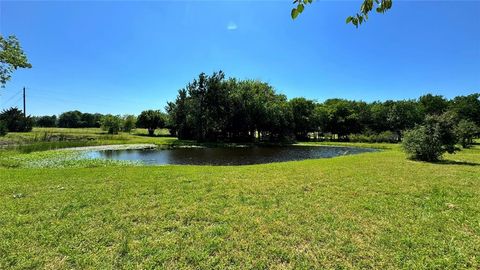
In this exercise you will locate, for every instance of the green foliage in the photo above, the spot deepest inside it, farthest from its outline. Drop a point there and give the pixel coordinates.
(112, 123)
(467, 107)
(77, 119)
(213, 108)
(465, 131)
(3, 129)
(433, 105)
(367, 6)
(303, 117)
(151, 120)
(403, 115)
(382, 137)
(12, 57)
(428, 142)
(129, 122)
(15, 121)
(45, 121)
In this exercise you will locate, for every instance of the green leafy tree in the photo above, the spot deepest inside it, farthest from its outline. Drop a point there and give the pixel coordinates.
(129, 122)
(381, 6)
(15, 121)
(112, 123)
(465, 131)
(433, 105)
(402, 115)
(467, 107)
(46, 121)
(151, 120)
(303, 117)
(428, 142)
(12, 57)
(77, 119)
(71, 119)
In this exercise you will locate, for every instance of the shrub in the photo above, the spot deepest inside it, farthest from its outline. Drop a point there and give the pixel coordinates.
(382, 137)
(15, 121)
(465, 131)
(428, 142)
(3, 129)
(112, 123)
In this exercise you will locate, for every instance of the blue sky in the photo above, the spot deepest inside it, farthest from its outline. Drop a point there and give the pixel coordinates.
(126, 56)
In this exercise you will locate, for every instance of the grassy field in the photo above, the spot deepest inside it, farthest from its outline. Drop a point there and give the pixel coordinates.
(373, 210)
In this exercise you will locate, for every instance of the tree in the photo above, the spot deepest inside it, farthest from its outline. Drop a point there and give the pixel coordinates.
(129, 122)
(71, 119)
(46, 121)
(303, 116)
(112, 123)
(12, 57)
(428, 142)
(402, 115)
(381, 7)
(465, 131)
(433, 105)
(151, 120)
(212, 108)
(15, 121)
(467, 107)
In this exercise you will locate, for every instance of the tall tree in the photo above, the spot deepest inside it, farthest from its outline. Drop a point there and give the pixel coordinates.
(303, 117)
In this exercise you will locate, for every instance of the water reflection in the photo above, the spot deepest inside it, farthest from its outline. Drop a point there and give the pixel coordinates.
(227, 156)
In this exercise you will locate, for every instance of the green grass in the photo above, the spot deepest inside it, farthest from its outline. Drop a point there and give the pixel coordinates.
(42, 139)
(373, 210)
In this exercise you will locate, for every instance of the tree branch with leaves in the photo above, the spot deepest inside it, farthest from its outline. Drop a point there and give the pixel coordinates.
(12, 57)
(381, 6)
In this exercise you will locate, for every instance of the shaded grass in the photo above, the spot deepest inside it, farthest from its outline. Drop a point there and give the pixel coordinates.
(373, 210)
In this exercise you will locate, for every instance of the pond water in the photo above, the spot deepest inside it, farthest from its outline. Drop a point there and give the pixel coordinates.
(226, 156)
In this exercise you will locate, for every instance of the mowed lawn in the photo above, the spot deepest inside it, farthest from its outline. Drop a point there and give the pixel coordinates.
(374, 210)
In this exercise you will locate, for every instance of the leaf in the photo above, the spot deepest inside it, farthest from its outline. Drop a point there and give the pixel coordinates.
(294, 13)
(300, 8)
(349, 19)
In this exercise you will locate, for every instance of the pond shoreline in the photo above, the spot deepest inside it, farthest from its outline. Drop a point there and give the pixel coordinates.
(111, 147)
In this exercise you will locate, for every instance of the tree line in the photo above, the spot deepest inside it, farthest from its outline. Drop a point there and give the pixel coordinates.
(214, 108)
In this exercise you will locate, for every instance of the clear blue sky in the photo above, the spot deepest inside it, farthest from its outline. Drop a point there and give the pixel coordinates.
(126, 56)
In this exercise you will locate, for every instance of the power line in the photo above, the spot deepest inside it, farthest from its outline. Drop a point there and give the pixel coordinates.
(12, 97)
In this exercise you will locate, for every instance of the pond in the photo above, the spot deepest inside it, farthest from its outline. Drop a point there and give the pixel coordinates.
(226, 156)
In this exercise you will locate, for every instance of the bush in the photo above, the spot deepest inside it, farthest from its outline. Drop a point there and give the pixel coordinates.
(14, 120)
(3, 129)
(465, 132)
(112, 123)
(382, 137)
(428, 142)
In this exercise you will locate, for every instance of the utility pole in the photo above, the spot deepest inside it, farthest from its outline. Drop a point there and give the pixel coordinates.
(24, 104)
